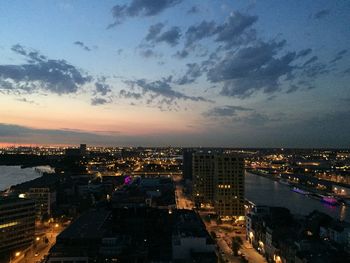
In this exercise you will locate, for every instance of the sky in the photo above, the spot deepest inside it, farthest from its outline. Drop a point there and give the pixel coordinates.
(220, 73)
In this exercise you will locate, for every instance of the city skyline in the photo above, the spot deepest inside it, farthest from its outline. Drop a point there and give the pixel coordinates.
(227, 73)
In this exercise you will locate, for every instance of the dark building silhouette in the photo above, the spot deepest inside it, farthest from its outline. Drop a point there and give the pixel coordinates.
(187, 163)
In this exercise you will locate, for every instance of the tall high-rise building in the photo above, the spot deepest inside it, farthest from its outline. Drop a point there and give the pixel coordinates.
(187, 163)
(218, 181)
(203, 179)
(17, 224)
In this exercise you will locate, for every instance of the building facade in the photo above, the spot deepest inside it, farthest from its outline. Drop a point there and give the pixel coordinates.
(44, 198)
(17, 224)
(218, 181)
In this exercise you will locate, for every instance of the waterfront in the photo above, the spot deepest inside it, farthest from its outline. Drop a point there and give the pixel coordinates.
(263, 191)
(12, 175)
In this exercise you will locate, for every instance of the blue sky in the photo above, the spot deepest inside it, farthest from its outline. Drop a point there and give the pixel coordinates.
(172, 72)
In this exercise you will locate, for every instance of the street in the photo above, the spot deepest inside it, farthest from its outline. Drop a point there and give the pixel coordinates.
(182, 201)
(224, 234)
(40, 248)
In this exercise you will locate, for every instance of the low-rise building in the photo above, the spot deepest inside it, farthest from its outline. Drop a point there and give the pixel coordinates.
(190, 236)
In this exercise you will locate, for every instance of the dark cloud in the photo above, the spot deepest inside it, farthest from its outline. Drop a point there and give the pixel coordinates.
(304, 52)
(310, 61)
(130, 95)
(193, 72)
(231, 32)
(162, 88)
(148, 53)
(31, 56)
(315, 70)
(292, 89)
(256, 119)
(140, 8)
(339, 56)
(197, 32)
(19, 49)
(170, 36)
(251, 69)
(101, 87)
(181, 54)
(322, 13)
(56, 76)
(225, 111)
(99, 101)
(154, 31)
(82, 45)
(193, 10)
(26, 100)
(327, 129)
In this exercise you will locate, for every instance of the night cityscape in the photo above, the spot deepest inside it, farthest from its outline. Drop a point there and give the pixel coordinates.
(172, 131)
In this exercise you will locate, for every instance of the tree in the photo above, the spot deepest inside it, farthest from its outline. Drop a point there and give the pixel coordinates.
(237, 243)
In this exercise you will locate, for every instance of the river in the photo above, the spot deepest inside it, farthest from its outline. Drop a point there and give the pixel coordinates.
(12, 175)
(263, 191)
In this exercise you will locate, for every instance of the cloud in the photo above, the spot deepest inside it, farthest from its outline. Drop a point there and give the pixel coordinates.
(193, 10)
(26, 100)
(170, 36)
(154, 31)
(130, 95)
(148, 53)
(197, 32)
(225, 111)
(181, 54)
(82, 45)
(56, 76)
(304, 52)
(322, 13)
(256, 119)
(315, 70)
(193, 72)
(236, 30)
(101, 87)
(162, 88)
(231, 32)
(339, 56)
(310, 61)
(251, 69)
(142, 8)
(99, 101)
(292, 89)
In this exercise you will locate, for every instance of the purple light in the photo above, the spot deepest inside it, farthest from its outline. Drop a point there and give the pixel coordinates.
(329, 200)
(128, 180)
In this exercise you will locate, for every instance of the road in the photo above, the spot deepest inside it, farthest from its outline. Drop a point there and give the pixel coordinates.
(224, 234)
(182, 201)
(40, 248)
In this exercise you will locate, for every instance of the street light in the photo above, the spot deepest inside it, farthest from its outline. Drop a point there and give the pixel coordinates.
(17, 254)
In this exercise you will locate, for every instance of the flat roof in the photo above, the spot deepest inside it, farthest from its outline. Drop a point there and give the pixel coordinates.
(89, 225)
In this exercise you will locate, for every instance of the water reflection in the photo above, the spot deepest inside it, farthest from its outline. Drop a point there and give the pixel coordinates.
(263, 191)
